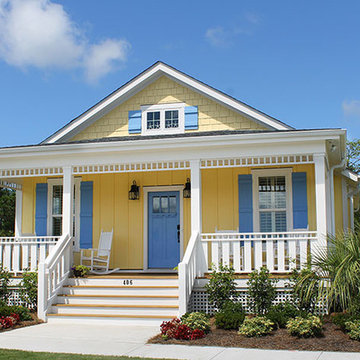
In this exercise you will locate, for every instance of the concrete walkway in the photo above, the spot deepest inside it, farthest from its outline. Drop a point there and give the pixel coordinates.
(131, 341)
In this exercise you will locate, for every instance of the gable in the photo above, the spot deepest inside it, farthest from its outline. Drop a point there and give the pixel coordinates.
(212, 115)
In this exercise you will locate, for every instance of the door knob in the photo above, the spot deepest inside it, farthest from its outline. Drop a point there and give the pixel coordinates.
(178, 233)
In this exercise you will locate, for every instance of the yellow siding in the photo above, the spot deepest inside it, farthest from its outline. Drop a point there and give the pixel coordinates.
(212, 116)
(338, 203)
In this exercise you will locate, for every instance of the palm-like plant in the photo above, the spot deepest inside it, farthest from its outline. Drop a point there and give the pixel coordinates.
(339, 267)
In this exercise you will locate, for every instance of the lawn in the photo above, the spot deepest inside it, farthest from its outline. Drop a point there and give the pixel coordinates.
(29, 355)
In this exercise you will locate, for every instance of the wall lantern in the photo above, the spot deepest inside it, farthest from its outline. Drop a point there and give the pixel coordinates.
(134, 193)
(187, 189)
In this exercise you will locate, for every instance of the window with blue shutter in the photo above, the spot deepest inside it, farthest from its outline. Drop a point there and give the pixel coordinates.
(245, 203)
(41, 209)
(299, 198)
(135, 122)
(191, 118)
(86, 214)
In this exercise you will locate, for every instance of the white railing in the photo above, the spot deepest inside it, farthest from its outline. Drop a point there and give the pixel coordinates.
(52, 274)
(192, 265)
(23, 253)
(279, 251)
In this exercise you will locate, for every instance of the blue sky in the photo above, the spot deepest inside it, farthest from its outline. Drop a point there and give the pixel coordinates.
(296, 61)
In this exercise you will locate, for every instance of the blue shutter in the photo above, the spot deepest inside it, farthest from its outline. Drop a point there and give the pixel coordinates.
(41, 209)
(299, 197)
(86, 214)
(245, 203)
(191, 118)
(135, 122)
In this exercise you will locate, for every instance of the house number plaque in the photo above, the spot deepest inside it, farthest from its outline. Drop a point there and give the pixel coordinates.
(128, 282)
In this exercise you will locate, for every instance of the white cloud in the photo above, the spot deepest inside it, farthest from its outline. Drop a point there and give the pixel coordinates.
(217, 36)
(351, 108)
(41, 34)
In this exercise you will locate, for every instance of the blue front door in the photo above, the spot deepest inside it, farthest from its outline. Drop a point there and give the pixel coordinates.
(163, 229)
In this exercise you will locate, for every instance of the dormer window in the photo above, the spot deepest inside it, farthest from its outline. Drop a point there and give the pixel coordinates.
(162, 119)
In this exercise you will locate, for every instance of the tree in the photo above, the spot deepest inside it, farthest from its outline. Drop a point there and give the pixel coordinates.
(353, 155)
(7, 212)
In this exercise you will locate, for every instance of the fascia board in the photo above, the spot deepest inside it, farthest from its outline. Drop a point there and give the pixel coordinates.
(143, 80)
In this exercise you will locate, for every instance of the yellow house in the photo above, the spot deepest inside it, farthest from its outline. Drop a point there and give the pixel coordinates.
(183, 176)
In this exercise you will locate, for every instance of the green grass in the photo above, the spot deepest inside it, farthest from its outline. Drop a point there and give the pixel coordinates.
(29, 355)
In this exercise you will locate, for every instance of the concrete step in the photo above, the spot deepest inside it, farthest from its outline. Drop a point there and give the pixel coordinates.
(128, 309)
(119, 299)
(125, 281)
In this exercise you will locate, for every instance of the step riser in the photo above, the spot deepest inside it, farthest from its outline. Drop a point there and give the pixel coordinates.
(117, 301)
(124, 282)
(120, 291)
(106, 321)
(115, 311)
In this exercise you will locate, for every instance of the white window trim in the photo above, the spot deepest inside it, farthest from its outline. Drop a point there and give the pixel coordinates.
(51, 183)
(288, 184)
(162, 108)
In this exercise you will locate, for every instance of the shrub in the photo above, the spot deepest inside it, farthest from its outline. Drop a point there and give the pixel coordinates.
(4, 284)
(280, 314)
(221, 286)
(262, 290)
(230, 317)
(256, 326)
(28, 289)
(304, 285)
(175, 329)
(305, 327)
(80, 271)
(353, 327)
(340, 319)
(197, 321)
(23, 312)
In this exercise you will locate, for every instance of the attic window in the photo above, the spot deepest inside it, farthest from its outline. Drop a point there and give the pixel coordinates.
(162, 119)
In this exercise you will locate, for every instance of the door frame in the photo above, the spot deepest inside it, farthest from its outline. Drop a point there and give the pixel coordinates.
(148, 189)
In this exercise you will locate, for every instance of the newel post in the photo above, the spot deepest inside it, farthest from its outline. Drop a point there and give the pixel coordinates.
(42, 291)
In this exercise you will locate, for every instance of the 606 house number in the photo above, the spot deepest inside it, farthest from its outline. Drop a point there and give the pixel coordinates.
(127, 282)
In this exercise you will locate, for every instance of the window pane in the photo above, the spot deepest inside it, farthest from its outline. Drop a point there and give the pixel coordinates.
(280, 221)
(57, 226)
(271, 221)
(171, 119)
(265, 222)
(57, 200)
(173, 204)
(164, 204)
(272, 192)
(156, 204)
(153, 120)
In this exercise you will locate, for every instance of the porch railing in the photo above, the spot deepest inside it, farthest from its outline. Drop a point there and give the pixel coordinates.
(19, 254)
(279, 251)
(52, 274)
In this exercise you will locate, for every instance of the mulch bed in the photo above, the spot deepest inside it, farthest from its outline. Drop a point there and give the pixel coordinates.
(35, 320)
(333, 340)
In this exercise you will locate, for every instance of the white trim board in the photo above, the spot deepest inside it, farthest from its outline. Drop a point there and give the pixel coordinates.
(146, 190)
(144, 79)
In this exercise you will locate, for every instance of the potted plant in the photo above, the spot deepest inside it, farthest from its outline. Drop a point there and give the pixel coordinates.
(80, 271)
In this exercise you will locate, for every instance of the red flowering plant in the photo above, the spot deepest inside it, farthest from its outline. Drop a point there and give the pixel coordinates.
(175, 329)
(9, 321)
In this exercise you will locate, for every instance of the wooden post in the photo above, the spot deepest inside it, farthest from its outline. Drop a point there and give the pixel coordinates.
(18, 213)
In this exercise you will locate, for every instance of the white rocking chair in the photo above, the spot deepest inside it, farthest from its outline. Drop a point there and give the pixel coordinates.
(100, 255)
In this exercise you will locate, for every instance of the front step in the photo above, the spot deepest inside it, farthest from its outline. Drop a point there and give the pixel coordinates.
(142, 299)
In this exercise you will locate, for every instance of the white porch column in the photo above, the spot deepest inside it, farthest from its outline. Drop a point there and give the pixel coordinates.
(345, 204)
(351, 212)
(195, 174)
(320, 194)
(68, 195)
(18, 213)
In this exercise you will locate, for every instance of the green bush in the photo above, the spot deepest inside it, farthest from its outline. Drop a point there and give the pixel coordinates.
(301, 327)
(304, 285)
(262, 291)
(353, 327)
(22, 311)
(4, 284)
(28, 289)
(230, 317)
(80, 271)
(340, 319)
(197, 320)
(280, 314)
(256, 326)
(221, 286)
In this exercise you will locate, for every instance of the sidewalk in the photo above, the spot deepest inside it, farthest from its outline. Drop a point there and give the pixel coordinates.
(131, 341)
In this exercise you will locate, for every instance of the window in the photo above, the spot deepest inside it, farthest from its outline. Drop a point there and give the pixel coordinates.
(163, 119)
(272, 200)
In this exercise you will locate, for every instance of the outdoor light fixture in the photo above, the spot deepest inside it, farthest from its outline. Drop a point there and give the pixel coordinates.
(187, 189)
(134, 193)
